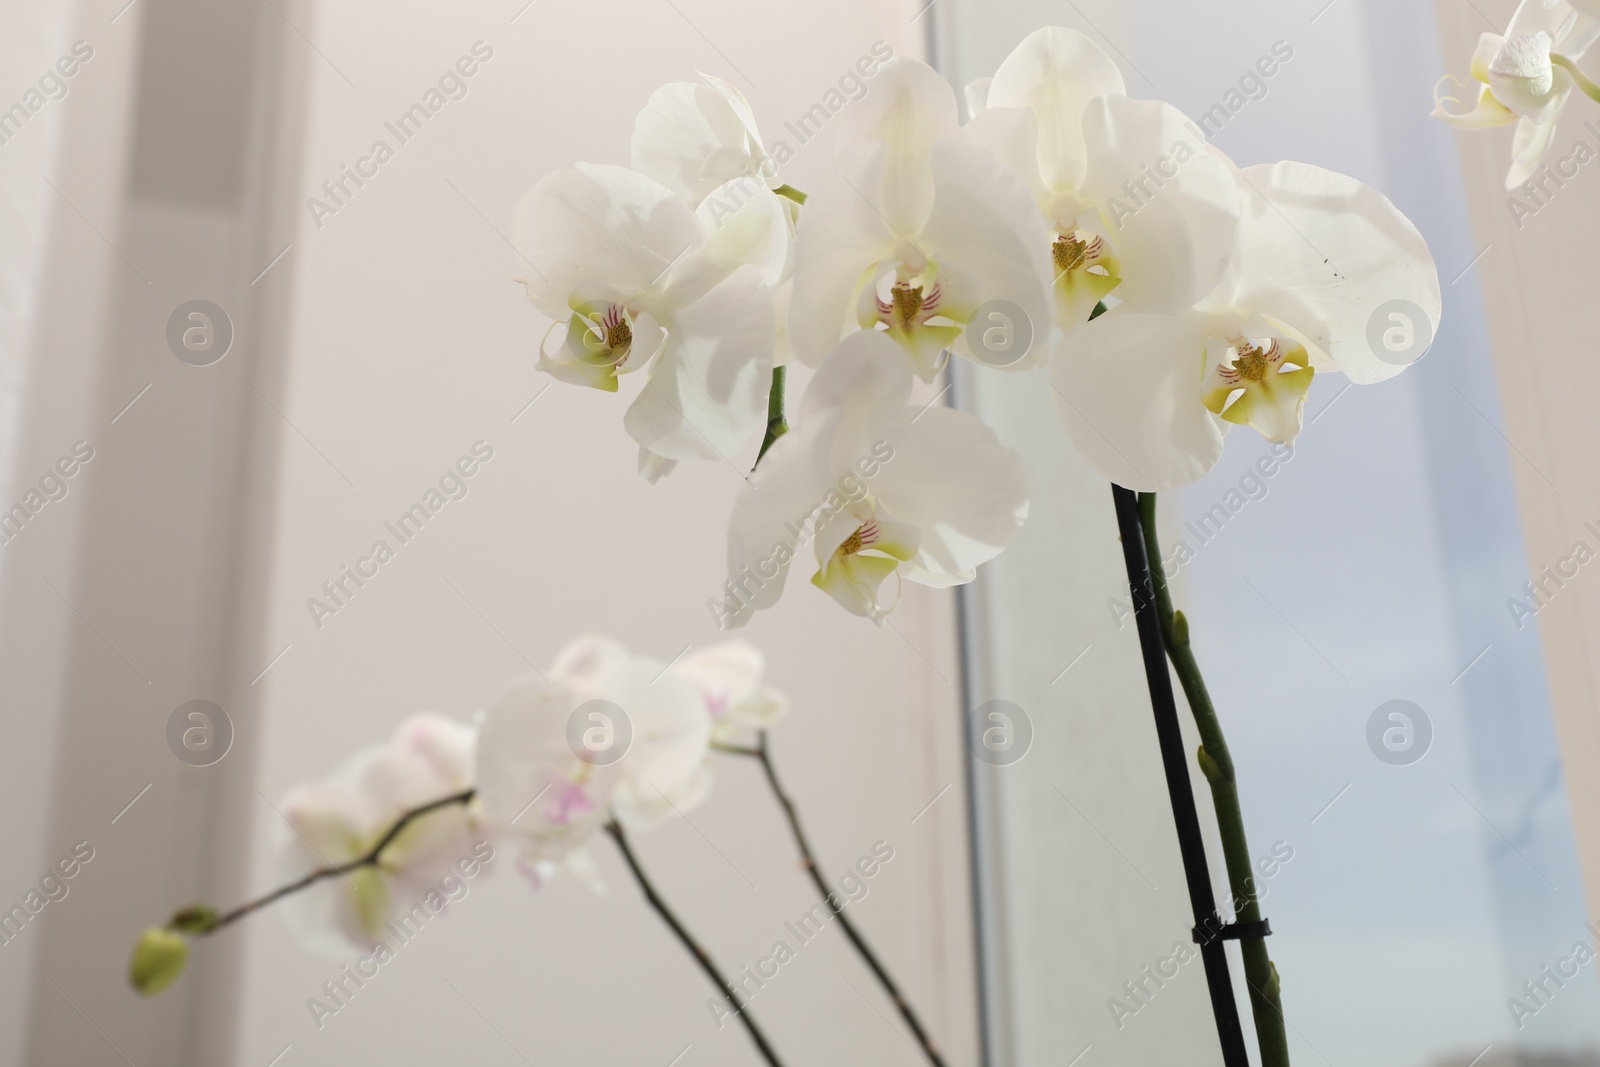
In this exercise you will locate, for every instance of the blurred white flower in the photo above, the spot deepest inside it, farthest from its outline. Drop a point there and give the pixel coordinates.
(1525, 77)
(607, 735)
(728, 676)
(918, 230)
(533, 782)
(1135, 203)
(1146, 396)
(640, 280)
(665, 769)
(340, 819)
(940, 497)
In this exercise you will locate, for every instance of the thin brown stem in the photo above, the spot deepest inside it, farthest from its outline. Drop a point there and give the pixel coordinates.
(808, 861)
(369, 859)
(702, 957)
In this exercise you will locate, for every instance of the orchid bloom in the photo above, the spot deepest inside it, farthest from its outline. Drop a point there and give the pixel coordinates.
(919, 229)
(696, 137)
(881, 487)
(700, 140)
(554, 765)
(1327, 274)
(1526, 77)
(641, 280)
(728, 676)
(665, 770)
(340, 819)
(1135, 203)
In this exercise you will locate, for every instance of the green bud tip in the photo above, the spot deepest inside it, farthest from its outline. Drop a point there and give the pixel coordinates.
(1180, 628)
(158, 959)
(1208, 765)
(196, 919)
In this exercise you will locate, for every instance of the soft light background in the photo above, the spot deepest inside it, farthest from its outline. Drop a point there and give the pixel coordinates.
(375, 349)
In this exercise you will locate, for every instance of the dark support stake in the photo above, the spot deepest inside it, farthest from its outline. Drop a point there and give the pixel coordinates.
(1173, 758)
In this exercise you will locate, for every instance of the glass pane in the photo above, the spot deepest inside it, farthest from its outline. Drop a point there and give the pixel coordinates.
(1430, 866)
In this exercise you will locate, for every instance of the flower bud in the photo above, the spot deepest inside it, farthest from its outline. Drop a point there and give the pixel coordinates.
(1522, 77)
(158, 959)
(1180, 628)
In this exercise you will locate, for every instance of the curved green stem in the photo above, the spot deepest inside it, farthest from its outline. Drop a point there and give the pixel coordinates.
(1217, 763)
(1579, 78)
(791, 193)
(777, 426)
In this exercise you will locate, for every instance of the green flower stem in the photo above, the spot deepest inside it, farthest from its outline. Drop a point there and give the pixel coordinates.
(1579, 78)
(1217, 763)
(777, 426)
(791, 193)
(702, 957)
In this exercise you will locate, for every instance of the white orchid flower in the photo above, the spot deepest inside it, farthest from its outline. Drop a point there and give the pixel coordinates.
(1525, 77)
(728, 676)
(1135, 202)
(533, 781)
(919, 229)
(696, 137)
(881, 487)
(340, 819)
(605, 734)
(642, 281)
(700, 140)
(1325, 266)
(666, 769)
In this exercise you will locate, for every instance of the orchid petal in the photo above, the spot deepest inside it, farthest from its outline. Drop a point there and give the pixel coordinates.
(594, 225)
(694, 137)
(1175, 237)
(707, 390)
(977, 97)
(910, 108)
(1128, 388)
(1487, 113)
(1529, 145)
(986, 225)
(842, 236)
(1315, 241)
(1055, 72)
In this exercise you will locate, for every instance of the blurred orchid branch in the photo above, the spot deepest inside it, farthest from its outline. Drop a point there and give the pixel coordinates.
(762, 753)
(725, 987)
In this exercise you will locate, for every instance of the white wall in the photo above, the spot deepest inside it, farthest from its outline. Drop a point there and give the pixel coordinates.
(408, 344)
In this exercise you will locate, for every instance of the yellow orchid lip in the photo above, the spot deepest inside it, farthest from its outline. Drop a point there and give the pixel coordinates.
(856, 569)
(1086, 273)
(1264, 387)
